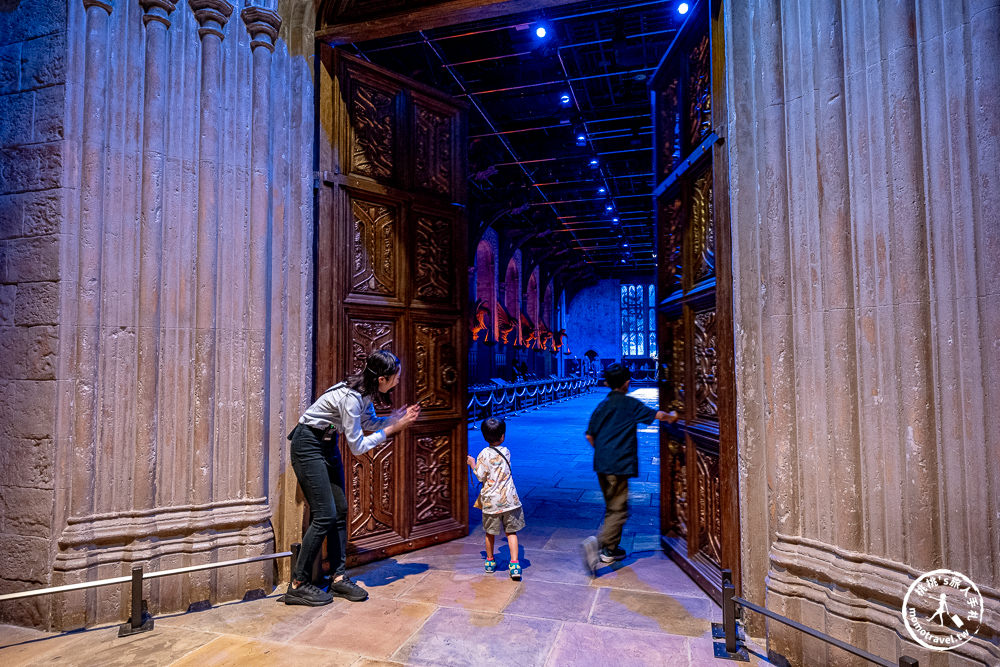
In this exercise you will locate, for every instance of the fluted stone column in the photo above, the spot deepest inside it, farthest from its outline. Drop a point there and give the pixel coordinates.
(156, 21)
(263, 26)
(86, 457)
(778, 376)
(212, 16)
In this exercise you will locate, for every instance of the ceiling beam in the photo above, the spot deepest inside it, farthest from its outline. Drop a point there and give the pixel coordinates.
(438, 15)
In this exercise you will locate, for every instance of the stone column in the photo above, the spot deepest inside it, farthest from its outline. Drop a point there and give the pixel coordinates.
(212, 16)
(156, 21)
(86, 457)
(263, 25)
(779, 390)
(907, 229)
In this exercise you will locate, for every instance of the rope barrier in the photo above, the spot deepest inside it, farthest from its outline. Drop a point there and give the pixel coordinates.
(485, 401)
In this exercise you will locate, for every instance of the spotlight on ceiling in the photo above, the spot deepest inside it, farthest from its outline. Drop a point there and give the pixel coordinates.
(581, 139)
(541, 32)
(594, 164)
(564, 99)
(681, 9)
(609, 206)
(614, 219)
(602, 190)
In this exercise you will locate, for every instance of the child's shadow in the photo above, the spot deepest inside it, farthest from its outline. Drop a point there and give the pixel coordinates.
(388, 571)
(502, 555)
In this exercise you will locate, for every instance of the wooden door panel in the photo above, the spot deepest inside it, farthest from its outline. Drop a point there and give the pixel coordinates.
(439, 499)
(437, 367)
(702, 221)
(709, 542)
(376, 268)
(706, 386)
(437, 133)
(375, 117)
(368, 332)
(435, 274)
(371, 506)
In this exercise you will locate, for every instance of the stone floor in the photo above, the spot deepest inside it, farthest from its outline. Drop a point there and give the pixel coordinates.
(437, 606)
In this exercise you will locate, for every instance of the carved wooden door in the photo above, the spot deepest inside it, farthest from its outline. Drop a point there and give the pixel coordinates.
(699, 503)
(391, 275)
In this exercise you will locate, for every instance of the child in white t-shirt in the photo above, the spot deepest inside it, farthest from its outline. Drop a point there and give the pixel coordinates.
(501, 506)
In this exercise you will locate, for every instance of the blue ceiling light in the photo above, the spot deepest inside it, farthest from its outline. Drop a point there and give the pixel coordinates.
(581, 139)
(609, 206)
(564, 99)
(594, 164)
(541, 32)
(602, 190)
(614, 219)
(682, 9)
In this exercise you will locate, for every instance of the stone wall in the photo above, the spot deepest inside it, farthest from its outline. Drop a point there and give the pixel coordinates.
(594, 321)
(33, 198)
(864, 145)
(155, 295)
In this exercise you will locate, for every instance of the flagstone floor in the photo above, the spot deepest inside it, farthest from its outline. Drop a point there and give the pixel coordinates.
(437, 606)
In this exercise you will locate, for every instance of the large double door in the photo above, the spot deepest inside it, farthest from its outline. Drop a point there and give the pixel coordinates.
(391, 275)
(699, 513)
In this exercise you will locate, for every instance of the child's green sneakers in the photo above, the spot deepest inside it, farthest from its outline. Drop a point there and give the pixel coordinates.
(515, 571)
(490, 566)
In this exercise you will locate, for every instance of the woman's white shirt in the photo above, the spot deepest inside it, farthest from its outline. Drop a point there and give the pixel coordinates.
(350, 414)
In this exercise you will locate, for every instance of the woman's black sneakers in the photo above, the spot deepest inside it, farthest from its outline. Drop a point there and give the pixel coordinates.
(345, 588)
(307, 594)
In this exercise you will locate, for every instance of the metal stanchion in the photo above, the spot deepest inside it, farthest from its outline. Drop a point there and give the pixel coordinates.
(732, 648)
(140, 619)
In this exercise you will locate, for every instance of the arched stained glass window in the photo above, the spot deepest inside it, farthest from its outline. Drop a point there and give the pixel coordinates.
(638, 308)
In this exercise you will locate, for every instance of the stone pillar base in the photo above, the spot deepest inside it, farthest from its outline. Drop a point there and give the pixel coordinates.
(106, 546)
(856, 598)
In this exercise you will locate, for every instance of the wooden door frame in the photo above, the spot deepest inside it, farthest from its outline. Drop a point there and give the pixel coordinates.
(728, 442)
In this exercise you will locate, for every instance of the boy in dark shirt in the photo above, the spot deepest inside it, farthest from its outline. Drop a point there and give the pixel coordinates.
(612, 434)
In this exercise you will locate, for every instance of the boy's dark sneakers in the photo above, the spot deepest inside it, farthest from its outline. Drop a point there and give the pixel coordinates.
(345, 588)
(590, 549)
(308, 595)
(611, 555)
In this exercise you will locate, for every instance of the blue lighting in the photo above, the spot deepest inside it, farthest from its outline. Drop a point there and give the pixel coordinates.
(594, 162)
(564, 99)
(609, 207)
(601, 191)
(540, 31)
(681, 9)
(581, 140)
(614, 219)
